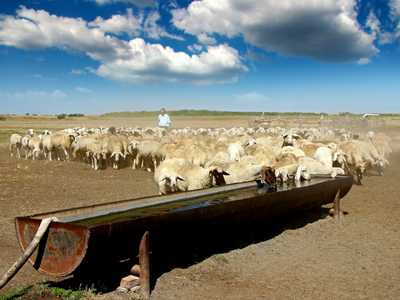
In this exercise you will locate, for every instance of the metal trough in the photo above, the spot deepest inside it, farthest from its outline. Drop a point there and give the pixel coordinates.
(93, 234)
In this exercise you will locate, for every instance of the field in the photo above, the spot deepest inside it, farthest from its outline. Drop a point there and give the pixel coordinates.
(302, 256)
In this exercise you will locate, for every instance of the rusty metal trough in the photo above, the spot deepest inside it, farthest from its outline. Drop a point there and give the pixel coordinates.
(92, 234)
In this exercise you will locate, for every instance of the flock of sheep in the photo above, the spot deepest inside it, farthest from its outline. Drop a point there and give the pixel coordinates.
(188, 159)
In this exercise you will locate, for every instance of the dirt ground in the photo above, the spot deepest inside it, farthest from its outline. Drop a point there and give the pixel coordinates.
(302, 256)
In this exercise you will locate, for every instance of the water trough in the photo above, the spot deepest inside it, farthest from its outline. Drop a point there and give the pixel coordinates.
(94, 234)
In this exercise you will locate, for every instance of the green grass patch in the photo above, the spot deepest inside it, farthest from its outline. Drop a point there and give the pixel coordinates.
(59, 165)
(46, 290)
(5, 134)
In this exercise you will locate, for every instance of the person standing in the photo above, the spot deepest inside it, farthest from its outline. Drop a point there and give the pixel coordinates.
(163, 120)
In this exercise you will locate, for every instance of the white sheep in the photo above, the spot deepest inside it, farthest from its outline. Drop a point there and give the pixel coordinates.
(15, 142)
(166, 176)
(324, 156)
(238, 171)
(295, 170)
(115, 147)
(149, 150)
(316, 168)
(35, 145)
(235, 151)
(293, 150)
(197, 177)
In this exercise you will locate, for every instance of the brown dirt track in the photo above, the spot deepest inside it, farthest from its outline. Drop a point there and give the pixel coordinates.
(305, 256)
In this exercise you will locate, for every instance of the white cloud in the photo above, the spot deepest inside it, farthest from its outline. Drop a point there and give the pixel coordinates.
(84, 90)
(36, 95)
(195, 48)
(204, 39)
(152, 63)
(324, 30)
(133, 62)
(141, 3)
(118, 24)
(153, 30)
(251, 98)
(375, 25)
(79, 72)
(395, 5)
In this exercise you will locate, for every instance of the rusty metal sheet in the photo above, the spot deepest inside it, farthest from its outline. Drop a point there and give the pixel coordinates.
(61, 250)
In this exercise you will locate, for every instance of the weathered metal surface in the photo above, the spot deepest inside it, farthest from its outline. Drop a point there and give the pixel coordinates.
(61, 250)
(116, 238)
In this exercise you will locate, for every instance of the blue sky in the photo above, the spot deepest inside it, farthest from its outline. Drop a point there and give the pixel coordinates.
(99, 56)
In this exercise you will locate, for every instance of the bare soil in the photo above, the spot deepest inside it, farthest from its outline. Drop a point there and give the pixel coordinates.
(302, 256)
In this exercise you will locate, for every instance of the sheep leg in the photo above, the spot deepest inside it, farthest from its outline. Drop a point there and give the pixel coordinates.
(11, 149)
(18, 154)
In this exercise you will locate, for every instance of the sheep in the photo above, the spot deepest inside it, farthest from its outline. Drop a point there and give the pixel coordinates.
(293, 150)
(371, 135)
(202, 156)
(166, 176)
(35, 144)
(133, 151)
(285, 159)
(25, 144)
(95, 149)
(58, 140)
(115, 147)
(149, 150)
(197, 177)
(289, 138)
(238, 171)
(16, 141)
(324, 156)
(298, 171)
(309, 148)
(371, 150)
(235, 151)
(315, 167)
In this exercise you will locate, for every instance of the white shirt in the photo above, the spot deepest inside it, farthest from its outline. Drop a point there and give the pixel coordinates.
(163, 120)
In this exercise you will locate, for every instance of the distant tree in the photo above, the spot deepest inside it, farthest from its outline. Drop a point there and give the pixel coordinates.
(27, 114)
(62, 116)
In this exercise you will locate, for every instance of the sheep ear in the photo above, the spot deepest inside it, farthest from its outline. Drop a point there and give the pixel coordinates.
(180, 178)
(335, 156)
(248, 143)
(224, 173)
(162, 179)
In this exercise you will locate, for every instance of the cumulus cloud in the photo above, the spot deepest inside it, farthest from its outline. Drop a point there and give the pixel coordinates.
(131, 62)
(324, 30)
(141, 3)
(150, 63)
(118, 24)
(251, 98)
(36, 95)
(84, 90)
(204, 39)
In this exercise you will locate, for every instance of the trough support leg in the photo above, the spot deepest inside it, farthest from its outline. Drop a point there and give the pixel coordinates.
(336, 207)
(144, 263)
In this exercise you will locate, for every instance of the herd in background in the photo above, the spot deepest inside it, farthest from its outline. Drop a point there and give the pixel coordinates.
(188, 159)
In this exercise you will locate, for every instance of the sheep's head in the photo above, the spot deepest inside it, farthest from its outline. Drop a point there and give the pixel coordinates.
(288, 139)
(31, 132)
(302, 172)
(172, 181)
(218, 175)
(268, 176)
